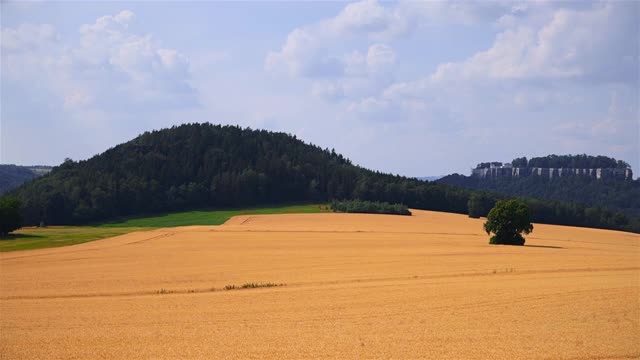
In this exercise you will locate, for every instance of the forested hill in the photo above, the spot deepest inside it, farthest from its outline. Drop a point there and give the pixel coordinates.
(207, 166)
(616, 194)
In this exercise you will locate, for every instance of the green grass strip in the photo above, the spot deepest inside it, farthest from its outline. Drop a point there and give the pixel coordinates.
(55, 236)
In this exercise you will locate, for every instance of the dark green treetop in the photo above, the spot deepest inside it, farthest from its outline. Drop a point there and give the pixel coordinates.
(508, 220)
(10, 218)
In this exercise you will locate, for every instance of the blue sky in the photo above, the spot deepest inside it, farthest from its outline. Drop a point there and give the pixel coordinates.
(414, 88)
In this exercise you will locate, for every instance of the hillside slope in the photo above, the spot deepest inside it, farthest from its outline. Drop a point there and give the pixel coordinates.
(211, 166)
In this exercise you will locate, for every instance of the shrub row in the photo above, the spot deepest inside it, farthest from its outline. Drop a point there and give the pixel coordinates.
(369, 207)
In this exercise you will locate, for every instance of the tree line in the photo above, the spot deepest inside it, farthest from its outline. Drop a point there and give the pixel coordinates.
(582, 161)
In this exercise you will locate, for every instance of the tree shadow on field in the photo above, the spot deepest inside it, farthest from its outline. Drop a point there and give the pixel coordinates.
(545, 246)
(19, 236)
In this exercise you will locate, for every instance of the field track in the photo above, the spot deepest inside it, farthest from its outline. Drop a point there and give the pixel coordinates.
(356, 286)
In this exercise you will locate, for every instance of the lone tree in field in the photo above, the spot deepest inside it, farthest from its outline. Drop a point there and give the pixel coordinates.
(10, 218)
(508, 220)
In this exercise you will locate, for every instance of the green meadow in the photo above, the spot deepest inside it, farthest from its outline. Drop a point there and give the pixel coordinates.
(56, 236)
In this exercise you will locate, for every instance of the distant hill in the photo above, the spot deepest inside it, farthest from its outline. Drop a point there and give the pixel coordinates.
(430, 178)
(196, 166)
(557, 166)
(12, 176)
(601, 182)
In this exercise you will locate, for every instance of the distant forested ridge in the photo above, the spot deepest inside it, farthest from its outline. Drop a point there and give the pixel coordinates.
(615, 193)
(211, 166)
(555, 166)
(12, 176)
(581, 161)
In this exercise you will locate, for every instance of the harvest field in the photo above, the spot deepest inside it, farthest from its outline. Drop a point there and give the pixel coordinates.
(355, 286)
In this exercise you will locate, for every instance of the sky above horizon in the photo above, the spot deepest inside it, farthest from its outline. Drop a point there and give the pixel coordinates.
(411, 88)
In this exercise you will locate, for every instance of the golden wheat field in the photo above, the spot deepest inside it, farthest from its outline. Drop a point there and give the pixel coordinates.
(356, 287)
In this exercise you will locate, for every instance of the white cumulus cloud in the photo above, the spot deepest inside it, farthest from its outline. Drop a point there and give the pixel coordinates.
(590, 44)
(111, 67)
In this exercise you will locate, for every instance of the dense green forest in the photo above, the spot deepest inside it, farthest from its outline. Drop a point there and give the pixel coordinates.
(615, 194)
(210, 166)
